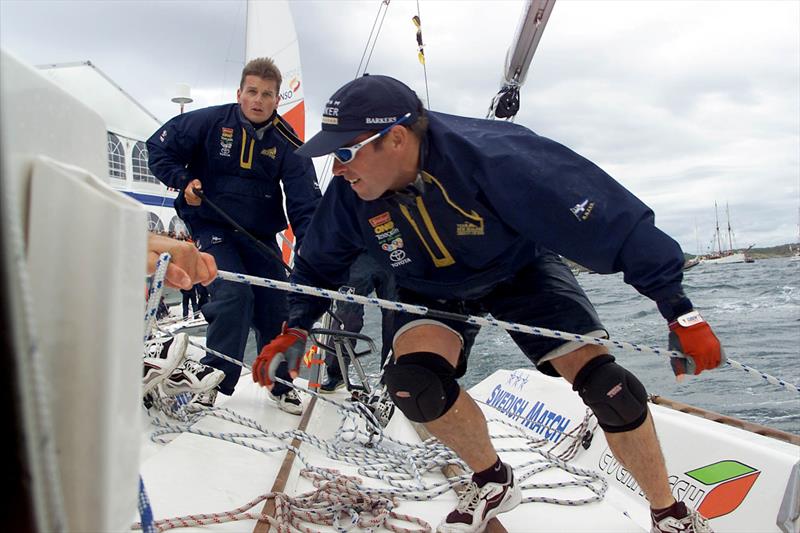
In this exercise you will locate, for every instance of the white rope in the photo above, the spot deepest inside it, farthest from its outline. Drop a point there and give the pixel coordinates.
(401, 465)
(481, 321)
(154, 293)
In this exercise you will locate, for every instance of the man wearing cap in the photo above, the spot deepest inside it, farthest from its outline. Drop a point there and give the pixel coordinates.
(239, 155)
(470, 215)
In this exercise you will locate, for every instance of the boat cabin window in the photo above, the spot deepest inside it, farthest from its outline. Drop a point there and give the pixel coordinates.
(141, 172)
(154, 223)
(116, 157)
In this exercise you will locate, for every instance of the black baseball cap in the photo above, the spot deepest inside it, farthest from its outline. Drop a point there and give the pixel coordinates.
(368, 103)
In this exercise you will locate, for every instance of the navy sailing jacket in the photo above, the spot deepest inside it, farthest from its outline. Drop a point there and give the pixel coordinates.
(240, 172)
(491, 196)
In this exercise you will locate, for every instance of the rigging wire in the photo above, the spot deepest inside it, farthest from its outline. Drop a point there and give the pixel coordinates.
(417, 20)
(372, 40)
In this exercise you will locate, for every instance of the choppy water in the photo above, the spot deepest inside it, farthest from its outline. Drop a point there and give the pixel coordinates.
(753, 308)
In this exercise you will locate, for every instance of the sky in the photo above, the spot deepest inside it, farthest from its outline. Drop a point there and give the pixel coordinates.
(684, 103)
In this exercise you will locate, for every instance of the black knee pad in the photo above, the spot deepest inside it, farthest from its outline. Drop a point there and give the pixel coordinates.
(617, 398)
(422, 385)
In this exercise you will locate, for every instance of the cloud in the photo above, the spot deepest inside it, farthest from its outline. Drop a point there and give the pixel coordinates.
(683, 103)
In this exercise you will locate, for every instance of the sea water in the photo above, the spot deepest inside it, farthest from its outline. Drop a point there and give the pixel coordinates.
(754, 308)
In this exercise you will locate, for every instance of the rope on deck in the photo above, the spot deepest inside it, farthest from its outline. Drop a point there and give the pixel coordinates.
(401, 465)
(336, 501)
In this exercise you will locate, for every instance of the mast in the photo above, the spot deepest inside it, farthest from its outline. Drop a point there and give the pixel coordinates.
(730, 236)
(505, 103)
(717, 236)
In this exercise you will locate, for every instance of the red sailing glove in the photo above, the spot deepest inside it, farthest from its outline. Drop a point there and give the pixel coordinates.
(289, 346)
(692, 335)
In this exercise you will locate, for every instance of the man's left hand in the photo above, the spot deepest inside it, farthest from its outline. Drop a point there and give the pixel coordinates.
(691, 335)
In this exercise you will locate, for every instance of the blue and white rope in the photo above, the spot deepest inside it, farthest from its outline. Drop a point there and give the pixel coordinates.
(154, 293)
(482, 321)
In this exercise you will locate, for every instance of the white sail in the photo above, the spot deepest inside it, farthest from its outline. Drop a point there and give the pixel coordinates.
(270, 33)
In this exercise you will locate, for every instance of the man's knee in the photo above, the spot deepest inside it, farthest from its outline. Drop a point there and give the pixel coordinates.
(422, 385)
(617, 398)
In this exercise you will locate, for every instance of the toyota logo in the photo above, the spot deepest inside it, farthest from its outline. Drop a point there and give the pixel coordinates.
(397, 255)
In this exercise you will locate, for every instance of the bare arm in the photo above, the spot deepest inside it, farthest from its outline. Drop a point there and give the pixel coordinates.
(188, 265)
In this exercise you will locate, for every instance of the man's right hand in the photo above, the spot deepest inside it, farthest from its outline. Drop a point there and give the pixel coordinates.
(188, 265)
(289, 346)
(190, 196)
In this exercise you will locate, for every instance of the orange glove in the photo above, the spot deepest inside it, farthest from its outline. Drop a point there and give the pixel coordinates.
(692, 335)
(289, 346)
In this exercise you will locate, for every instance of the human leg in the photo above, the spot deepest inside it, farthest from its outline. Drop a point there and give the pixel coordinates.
(229, 312)
(463, 427)
(547, 295)
(421, 381)
(269, 312)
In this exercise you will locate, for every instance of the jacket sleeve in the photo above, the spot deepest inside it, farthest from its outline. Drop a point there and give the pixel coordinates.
(332, 243)
(302, 193)
(558, 199)
(170, 148)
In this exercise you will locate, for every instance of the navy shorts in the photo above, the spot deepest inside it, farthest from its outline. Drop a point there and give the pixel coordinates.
(542, 294)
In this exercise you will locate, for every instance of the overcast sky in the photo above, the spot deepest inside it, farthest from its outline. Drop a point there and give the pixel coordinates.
(684, 103)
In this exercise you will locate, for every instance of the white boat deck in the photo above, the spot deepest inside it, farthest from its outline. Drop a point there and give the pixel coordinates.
(196, 474)
(200, 475)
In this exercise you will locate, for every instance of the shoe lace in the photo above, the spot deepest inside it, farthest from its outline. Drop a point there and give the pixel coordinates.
(700, 523)
(193, 366)
(469, 499)
(154, 349)
(291, 394)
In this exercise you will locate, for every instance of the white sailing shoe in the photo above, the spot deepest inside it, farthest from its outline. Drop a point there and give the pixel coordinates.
(161, 359)
(477, 505)
(202, 401)
(193, 376)
(289, 402)
(694, 522)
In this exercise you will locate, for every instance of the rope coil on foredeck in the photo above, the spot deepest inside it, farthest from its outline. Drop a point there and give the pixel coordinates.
(481, 321)
(401, 465)
(336, 501)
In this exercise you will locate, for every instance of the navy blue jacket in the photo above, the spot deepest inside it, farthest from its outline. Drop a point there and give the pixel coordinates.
(240, 172)
(491, 196)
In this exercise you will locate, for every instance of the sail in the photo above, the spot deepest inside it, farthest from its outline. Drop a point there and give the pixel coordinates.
(270, 33)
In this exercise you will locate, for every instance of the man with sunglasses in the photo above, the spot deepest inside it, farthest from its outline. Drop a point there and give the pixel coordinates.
(469, 215)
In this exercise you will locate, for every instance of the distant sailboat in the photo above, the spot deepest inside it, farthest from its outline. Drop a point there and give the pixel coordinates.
(722, 255)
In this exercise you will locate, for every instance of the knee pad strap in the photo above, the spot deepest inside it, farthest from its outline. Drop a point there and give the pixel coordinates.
(617, 398)
(422, 385)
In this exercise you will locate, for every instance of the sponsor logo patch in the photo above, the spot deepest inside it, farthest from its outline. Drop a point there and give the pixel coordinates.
(380, 120)
(389, 238)
(270, 152)
(583, 210)
(466, 229)
(226, 142)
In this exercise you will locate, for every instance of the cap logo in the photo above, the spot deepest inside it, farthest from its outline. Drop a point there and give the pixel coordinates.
(380, 120)
(330, 120)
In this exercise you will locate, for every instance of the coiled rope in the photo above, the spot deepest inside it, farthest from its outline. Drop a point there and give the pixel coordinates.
(483, 321)
(343, 501)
